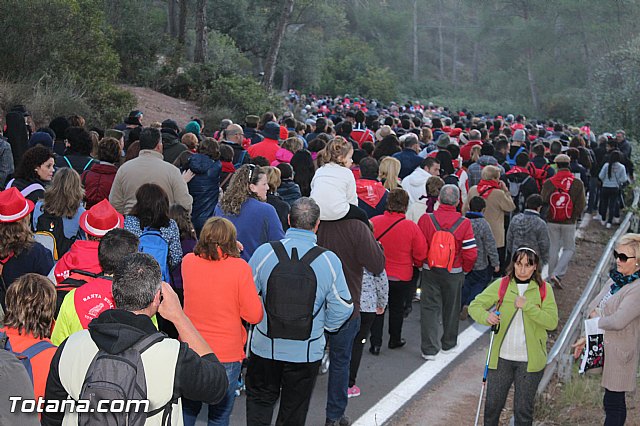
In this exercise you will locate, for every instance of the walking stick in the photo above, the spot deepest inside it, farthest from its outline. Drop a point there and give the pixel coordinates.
(494, 331)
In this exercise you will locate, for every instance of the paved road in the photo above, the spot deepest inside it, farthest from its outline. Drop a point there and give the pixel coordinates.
(377, 376)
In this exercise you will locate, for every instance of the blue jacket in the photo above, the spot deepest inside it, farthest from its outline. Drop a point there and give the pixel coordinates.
(204, 188)
(409, 160)
(256, 224)
(332, 293)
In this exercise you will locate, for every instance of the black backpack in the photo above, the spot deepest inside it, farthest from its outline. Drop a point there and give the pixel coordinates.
(121, 377)
(53, 226)
(291, 294)
(515, 189)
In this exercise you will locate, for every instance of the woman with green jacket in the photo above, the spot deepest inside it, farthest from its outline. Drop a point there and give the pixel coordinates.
(526, 313)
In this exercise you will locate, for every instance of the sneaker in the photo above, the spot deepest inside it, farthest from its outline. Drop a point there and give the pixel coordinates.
(616, 220)
(450, 350)
(342, 421)
(597, 217)
(608, 226)
(464, 313)
(353, 391)
(428, 357)
(603, 222)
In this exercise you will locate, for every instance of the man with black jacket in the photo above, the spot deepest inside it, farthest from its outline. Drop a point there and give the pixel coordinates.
(173, 369)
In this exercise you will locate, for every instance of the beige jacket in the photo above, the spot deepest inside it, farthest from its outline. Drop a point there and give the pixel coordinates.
(620, 319)
(148, 167)
(499, 202)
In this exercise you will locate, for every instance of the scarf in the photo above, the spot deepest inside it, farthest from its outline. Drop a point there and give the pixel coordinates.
(474, 215)
(486, 187)
(227, 167)
(517, 169)
(563, 179)
(620, 280)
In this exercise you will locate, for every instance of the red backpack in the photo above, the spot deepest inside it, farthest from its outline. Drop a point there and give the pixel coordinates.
(504, 285)
(560, 203)
(442, 249)
(539, 174)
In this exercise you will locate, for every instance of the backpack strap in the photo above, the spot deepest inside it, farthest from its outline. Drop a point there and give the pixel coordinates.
(31, 188)
(456, 224)
(68, 162)
(502, 290)
(148, 341)
(435, 222)
(389, 228)
(8, 185)
(88, 164)
(91, 274)
(312, 255)
(280, 251)
(36, 348)
(4, 341)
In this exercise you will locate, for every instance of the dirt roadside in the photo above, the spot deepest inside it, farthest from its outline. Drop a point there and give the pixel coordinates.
(158, 107)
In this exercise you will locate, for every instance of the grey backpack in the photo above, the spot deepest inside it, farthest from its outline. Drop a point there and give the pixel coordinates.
(120, 377)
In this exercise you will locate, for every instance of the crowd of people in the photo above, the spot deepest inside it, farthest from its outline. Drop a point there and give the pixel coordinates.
(276, 243)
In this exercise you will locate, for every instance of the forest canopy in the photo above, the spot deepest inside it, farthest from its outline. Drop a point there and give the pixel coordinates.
(561, 59)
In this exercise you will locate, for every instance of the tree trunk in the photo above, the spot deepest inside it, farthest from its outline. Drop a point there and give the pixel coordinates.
(441, 42)
(171, 18)
(454, 68)
(532, 81)
(286, 74)
(182, 22)
(415, 40)
(200, 54)
(272, 56)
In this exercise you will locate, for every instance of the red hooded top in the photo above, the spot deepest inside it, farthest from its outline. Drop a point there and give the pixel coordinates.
(83, 255)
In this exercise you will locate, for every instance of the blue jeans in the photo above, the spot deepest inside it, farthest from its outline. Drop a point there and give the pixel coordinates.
(474, 283)
(218, 413)
(340, 346)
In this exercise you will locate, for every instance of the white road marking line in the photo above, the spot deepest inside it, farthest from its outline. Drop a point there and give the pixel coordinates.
(409, 387)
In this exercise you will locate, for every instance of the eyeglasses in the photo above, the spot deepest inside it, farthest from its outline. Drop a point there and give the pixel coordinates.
(621, 256)
(252, 167)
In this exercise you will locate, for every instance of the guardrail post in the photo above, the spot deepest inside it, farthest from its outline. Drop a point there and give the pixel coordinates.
(565, 368)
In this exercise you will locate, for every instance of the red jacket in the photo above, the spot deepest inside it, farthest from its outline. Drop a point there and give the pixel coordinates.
(267, 149)
(83, 255)
(466, 250)
(97, 183)
(404, 245)
(465, 151)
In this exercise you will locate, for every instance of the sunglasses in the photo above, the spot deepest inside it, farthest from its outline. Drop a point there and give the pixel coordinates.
(252, 167)
(621, 256)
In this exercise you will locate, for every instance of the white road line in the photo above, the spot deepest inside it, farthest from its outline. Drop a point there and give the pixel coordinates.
(409, 387)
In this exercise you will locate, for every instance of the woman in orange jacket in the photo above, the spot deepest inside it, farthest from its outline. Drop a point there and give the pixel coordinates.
(219, 293)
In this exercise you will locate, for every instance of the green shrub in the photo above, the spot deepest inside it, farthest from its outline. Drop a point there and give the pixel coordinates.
(48, 98)
(243, 95)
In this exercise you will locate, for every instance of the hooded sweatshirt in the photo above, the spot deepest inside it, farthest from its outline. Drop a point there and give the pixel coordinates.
(372, 196)
(196, 378)
(171, 145)
(415, 183)
(83, 255)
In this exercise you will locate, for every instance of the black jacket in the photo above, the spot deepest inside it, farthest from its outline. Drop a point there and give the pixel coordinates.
(282, 209)
(78, 162)
(171, 145)
(196, 378)
(289, 191)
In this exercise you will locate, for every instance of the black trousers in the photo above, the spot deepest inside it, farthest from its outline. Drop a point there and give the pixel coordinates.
(399, 291)
(292, 382)
(366, 321)
(615, 408)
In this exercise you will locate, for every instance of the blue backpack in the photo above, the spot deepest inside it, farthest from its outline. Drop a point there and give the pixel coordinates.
(25, 356)
(152, 242)
(512, 161)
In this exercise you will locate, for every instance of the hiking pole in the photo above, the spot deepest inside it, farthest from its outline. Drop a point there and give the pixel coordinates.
(494, 330)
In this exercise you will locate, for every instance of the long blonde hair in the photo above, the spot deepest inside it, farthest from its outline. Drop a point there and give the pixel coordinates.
(64, 195)
(388, 172)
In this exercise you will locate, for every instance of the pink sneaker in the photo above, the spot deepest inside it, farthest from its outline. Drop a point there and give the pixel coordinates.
(353, 391)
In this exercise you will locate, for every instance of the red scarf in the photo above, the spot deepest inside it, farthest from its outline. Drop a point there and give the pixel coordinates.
(563, 179)
(517, 169)
(486, 187)
(227, 167)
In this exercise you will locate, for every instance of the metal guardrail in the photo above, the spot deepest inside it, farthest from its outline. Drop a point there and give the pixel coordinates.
(560, 361)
